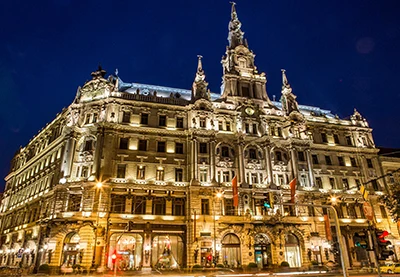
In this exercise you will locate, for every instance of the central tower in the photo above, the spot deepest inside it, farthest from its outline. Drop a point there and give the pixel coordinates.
(241, 79)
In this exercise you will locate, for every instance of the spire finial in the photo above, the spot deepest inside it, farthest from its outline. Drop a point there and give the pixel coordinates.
(235, 36)
(285, 82)
(199, 64)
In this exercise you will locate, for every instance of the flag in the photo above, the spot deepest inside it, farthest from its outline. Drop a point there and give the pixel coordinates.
(327, 228)
(235, 192)
(292, 185)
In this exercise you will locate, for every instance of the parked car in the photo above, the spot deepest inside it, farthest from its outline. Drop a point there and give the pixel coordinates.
(390, 268)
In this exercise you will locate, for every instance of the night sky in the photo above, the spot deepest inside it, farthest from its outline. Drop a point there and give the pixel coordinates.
(338, 54)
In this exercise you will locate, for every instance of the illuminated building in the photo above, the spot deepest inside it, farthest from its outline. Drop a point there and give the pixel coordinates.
(134, 170)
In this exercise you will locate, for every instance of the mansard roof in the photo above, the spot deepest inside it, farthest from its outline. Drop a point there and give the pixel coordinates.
(163, 91)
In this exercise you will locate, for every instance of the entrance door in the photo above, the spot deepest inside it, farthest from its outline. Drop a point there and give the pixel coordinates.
(262, 247)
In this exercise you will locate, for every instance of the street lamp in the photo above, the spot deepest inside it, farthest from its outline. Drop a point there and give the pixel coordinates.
(218, 195)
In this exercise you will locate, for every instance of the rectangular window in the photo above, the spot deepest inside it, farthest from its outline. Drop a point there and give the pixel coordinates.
(301, 156)
(315, 159)
(94, 120)
(126, 117)
(121, 170)
(178, 174)
(159, 206)
(225, 176)
(205, 206)
(332, 183)
(220, 125)
(202, 122)
(255, 131)
(88, 145)
(162, 120)
(203, 148)
(117, 203)
(328, 160)
(358, 183)
(225, 151)
(203, 175)
(349, 141)
(123, 143)
(341, 161)
(179, 122)
(336, 138)
(139, 205)
(369, 163)
(178, 206)
(161, 146)
(245, 91)
(279, 129)
(324, 137)
(142, 145)
(229, 208)
(74, 202)
(141, 172)
(85, 172)
(254, 179)
(375, 185)
(383, 211)
(318, 181)
(178, 148)
(252, 153)
(87, 119)
(345, 183)
(228, 126)
(247, 128)
(160, 174)
(353, 162)
(144, 119)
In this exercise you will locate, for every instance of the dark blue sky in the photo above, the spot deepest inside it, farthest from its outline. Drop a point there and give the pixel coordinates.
(338, 54)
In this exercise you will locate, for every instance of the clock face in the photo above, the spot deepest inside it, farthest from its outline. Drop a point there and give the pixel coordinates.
(249, 111)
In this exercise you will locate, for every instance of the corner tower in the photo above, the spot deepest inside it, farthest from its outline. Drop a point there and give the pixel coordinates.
(240, 76)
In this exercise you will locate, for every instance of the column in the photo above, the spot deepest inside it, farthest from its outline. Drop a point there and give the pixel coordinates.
(294, 162)
(212, 161)
(242, 177)
(268, 165)
(68, 156)
(196, 160)
(310, 168)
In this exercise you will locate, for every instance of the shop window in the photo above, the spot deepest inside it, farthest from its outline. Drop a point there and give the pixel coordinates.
(167, 252)
(292, 251)
(230, 248)
(129, 248)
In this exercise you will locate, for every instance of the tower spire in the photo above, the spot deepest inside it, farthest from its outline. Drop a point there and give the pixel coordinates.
(235, 36)
(199, 88)
(288, 99)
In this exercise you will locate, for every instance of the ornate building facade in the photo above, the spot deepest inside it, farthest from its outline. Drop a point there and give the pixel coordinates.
(145, 172)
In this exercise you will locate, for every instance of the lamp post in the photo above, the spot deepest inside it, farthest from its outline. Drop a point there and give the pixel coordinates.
(99, 185)
(218, 196)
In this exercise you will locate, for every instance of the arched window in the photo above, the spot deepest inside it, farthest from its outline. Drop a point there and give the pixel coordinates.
(292, 250)
(231, 251)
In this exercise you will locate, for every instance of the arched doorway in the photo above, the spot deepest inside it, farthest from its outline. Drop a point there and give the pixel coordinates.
(72, 252)
(167, 252)
(262, 250)
(231, 251)
(129, 248)
(292, 250)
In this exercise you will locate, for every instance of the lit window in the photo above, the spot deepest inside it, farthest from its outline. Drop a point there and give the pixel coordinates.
(178, 174)
(121, 169)
(160, 174)
(141, 172)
